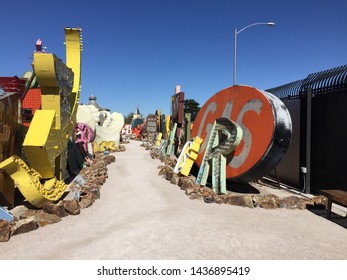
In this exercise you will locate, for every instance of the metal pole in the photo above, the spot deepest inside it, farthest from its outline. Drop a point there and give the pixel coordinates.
(308, 140)
(235, 34)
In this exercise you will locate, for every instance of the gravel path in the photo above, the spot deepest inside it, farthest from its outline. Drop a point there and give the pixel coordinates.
(142, 216)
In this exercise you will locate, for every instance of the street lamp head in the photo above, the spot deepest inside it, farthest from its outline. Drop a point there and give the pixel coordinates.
(239, 31)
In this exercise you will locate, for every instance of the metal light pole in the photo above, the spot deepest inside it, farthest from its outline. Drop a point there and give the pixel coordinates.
(235, 38)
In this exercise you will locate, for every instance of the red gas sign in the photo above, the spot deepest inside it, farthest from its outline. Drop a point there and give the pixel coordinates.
(266, 126)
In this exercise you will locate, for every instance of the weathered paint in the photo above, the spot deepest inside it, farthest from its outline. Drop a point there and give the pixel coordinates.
(265, 123)
(188, 156)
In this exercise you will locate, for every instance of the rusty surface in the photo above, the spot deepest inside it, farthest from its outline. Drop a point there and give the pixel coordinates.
(8, 124)
(6, 190)
(11, 89)
(266, 126)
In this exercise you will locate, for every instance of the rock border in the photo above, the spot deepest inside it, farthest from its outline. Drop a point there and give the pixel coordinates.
(26, 220)
(266, 201)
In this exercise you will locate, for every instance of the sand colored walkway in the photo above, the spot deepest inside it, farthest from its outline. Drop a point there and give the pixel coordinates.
(142, 216)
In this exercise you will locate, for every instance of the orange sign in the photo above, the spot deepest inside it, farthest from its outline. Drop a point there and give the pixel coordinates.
(254, 111)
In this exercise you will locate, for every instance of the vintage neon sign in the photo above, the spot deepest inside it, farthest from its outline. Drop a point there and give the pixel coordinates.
(266, 126)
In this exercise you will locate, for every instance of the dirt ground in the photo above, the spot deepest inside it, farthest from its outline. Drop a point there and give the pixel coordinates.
(142, 216)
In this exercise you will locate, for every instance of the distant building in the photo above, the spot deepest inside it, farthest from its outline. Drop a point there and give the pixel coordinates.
(137, 114)
(92, 101)
(137, 118)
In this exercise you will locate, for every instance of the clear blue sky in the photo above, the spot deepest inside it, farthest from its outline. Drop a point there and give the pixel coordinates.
(136, 51)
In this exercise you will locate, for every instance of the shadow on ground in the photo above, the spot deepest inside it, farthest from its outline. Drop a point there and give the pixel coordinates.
(321, 211)
(19, 199)
(239, 187)
(232, 186)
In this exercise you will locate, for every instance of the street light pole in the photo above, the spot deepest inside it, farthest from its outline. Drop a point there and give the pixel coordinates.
(235, 36)
(235, 40)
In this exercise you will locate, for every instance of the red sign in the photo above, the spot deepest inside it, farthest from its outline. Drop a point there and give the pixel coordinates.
(254, 111)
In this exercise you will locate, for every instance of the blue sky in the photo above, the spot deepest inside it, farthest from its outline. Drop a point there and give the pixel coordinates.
(137, 51)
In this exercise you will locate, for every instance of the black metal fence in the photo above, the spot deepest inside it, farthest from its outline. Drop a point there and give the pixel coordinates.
(316, 157)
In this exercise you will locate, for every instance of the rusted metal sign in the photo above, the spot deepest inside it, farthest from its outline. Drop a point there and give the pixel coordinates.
(266, 126)
(151, 125)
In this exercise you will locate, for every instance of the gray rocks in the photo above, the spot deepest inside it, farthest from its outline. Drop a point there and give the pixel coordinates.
(190, 190)
(108, 159)
(95, 191)
(24, 225)
(44, 219)
(165, 169)
(30, 219)
(121, 148)
(320, 200)
(84, 203)
(55, 209)
(186, 182)
(174, 179)
(239, 200)
(4, 230)
(18, 211)
(169, 175)
(72, 207)
(294, 202)
(266, 201)
(88, 199)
